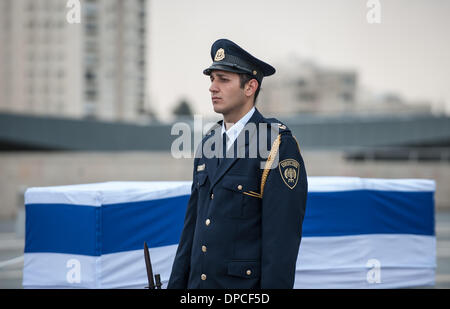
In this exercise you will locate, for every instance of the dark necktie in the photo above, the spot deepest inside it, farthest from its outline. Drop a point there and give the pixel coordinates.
(224, 147)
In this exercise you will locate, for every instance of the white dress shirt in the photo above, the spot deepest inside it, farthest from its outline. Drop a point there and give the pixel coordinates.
(234, 131)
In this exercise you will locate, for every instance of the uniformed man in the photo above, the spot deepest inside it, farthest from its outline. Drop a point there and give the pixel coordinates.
(243, 222)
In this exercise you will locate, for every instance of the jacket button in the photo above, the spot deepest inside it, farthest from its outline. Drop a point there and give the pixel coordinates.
(207, 222)
(248, 272)
(212, 195)
(203, 276)
(204, 248)
(240, 187)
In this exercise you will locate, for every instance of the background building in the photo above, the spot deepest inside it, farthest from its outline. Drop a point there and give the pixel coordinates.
(304, 87)
(93, 69)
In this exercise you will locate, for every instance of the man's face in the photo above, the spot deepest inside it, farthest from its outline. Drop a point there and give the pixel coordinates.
(226, 93)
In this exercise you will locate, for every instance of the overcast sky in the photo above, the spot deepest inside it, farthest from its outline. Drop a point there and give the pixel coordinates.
(407, 53)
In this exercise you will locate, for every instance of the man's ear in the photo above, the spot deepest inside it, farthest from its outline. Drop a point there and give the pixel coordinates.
(251, 86)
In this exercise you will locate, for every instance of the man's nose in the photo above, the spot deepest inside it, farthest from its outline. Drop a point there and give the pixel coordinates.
(213, 88)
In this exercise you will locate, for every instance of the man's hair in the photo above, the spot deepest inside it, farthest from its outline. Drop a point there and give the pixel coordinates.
(244, 78)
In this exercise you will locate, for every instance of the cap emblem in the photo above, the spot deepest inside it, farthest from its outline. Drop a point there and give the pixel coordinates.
(220, 54)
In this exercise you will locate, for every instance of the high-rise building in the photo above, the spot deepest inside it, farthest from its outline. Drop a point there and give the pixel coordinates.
(304, 87)
(92, 69)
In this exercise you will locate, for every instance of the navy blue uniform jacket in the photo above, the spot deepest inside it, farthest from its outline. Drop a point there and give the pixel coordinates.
(235, 236)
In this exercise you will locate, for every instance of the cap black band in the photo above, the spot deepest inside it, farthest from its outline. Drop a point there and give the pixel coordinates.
(239, 66)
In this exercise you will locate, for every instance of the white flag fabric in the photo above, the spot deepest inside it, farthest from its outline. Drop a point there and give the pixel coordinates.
(357, 233)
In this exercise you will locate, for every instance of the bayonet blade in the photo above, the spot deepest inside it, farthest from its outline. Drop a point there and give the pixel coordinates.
(148, 265)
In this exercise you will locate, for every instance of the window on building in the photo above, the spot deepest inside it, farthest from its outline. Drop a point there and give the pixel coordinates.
(91, 94)
(307, 97)
(301, 82)
(89, 75)
(346, 97)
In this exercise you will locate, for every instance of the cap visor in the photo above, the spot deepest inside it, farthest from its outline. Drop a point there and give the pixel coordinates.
(222, 67)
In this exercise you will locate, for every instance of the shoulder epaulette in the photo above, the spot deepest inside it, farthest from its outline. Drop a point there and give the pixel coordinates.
(278, 125)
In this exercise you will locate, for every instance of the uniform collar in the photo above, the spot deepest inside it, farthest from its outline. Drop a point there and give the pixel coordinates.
(234, 131)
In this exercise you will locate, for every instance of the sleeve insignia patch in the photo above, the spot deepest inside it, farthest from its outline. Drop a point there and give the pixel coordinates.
(289, 171)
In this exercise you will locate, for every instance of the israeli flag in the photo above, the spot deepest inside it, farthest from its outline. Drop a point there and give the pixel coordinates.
(357, 233)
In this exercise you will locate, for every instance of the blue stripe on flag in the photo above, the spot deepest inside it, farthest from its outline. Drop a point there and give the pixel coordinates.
(88, 230)
(158, 222)
(61, 228)
(369, 212)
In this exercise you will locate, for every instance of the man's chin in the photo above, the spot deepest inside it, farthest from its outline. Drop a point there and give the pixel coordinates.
(219, 109)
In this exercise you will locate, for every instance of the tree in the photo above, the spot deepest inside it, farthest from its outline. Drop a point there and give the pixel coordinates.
(183, 109)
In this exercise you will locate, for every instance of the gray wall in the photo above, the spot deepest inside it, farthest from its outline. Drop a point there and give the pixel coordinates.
(38, 169)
